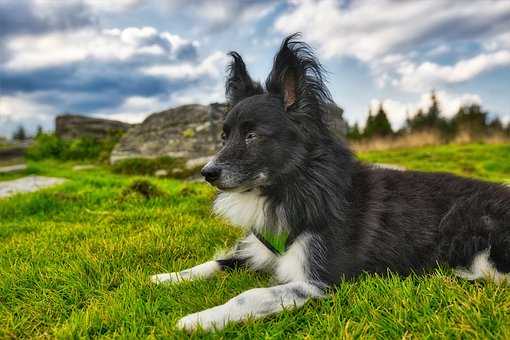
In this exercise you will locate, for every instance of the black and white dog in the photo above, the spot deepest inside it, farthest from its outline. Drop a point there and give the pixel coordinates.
(316, 215)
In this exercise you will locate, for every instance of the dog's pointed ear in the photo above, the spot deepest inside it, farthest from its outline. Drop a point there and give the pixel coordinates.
(239, 84)
(297, 76)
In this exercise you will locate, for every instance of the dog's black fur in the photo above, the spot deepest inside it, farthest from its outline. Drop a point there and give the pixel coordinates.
(368, 219)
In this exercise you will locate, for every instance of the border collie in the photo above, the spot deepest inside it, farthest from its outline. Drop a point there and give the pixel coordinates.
(316, 216)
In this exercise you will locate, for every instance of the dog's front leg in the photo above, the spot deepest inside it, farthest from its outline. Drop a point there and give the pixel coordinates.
(254, 303)
(249, 252)
(201, 271)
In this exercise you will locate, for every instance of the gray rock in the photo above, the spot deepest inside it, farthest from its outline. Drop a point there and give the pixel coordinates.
(28, 184)
(83, 167)
(13, 168)
(70, 126)
(161, 173)
(191, 132)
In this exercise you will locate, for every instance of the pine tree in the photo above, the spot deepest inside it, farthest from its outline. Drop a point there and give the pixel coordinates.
(496, 125)
(429, 120)
(417, 122)
(382, 122)
(20, 134)
(434, 110)
(471, 119)
(367, 131)
(354, 132)
(378, 125)
(39, 131)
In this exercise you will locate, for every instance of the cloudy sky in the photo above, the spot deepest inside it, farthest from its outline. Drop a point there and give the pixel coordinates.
(126, 58)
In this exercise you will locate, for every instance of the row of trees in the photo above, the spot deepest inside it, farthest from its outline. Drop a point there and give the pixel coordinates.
(20, 134)
(469, 118)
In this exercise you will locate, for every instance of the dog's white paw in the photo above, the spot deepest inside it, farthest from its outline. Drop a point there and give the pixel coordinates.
(206, 320)
(189, 323)
(201, 271)
(192, 322)
(166, 278)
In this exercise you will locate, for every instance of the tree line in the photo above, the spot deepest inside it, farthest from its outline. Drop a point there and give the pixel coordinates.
(20, 134)
(471, 119)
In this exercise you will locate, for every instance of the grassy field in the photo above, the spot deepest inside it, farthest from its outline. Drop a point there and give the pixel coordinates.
(75, 262)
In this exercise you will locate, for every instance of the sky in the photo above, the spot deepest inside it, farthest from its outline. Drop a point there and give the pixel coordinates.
(124, 59)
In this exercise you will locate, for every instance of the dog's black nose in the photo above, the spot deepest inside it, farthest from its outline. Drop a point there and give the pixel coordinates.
(211, 173)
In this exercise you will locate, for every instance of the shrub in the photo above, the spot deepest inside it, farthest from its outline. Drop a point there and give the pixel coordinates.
(46, 146)
(81, 148)
(20, 134)
(86, 148)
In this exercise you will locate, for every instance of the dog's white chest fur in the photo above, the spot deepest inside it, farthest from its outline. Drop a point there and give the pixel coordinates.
(248, 210)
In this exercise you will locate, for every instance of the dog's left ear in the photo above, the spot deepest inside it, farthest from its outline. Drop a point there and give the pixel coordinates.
(297, 77)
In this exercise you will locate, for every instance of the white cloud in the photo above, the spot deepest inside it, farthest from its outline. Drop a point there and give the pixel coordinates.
(112, 5)
(134, 109)
(204, 94)
(374, 31)
(369, 29)
(212, 66)
(439, 50)
(428, 75)
(162, 54)
(501, 41)
(449, 103)
(36, 51)
(45, 6)
(24, 110)
(220, 14)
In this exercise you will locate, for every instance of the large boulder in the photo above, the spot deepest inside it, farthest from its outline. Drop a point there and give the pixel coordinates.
(191, 132)
(70, 126)
(188, 131)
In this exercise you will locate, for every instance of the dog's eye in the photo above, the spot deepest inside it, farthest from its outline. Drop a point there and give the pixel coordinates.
(250, 136)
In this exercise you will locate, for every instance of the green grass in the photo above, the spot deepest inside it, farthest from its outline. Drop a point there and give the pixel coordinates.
(75, 261)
